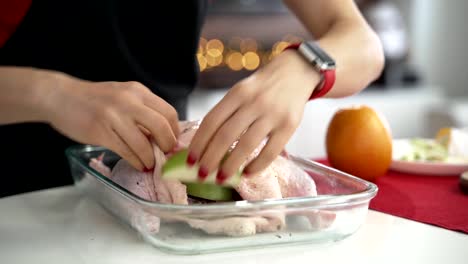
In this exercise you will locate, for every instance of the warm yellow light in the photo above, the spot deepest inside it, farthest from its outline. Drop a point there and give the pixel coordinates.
(214, 57)
(282, 45)
(279, 47)
(250, 61)
(234, 61)
(228, 56)
(202, 45)
(213, 53)
(200, 50)
(248, 44)
(201, 62)
(215, 44)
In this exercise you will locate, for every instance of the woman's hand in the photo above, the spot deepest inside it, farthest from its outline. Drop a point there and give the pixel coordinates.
(268, 104)
(121, 116)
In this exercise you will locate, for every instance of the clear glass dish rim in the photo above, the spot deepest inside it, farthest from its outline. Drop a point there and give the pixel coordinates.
(318, 202)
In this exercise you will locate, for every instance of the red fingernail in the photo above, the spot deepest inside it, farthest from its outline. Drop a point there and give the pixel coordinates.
(191, 159)
(202, 173)
(221, 177)
(148, 170)
(246, 173)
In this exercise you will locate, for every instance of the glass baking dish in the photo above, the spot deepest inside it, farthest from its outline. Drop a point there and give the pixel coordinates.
(338, 210)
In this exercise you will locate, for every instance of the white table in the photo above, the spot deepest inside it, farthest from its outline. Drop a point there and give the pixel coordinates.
(60, 226)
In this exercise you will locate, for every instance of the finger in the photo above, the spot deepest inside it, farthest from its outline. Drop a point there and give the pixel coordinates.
(214, 120)
(248, 143)
(272, 149)
(158, 104)
(145, 131)
(158, 125)
(116, 144)
(137, 141)
(229, 132)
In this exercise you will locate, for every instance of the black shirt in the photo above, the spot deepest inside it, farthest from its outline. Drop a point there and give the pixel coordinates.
(153, 42)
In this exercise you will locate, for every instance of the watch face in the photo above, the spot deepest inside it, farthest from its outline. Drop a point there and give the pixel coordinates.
(317, 55)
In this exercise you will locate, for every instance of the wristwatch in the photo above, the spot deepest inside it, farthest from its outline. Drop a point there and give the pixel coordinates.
(321, 61)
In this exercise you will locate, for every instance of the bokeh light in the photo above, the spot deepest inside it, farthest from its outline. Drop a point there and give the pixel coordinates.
(202, 63)
(239, 53)
(250, 61)
(215, 44)
(278, 47)
(202, 45)
(234, 61)
(214, 57)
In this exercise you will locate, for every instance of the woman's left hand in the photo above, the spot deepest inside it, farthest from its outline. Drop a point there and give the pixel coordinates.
(268, 104)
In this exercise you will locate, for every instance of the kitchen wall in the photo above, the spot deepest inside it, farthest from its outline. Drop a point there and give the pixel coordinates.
(439, 42)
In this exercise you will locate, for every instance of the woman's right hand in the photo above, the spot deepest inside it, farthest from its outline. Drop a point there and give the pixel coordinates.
(121, 116)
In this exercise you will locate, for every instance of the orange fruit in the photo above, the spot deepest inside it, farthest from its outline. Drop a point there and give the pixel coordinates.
(359, 142)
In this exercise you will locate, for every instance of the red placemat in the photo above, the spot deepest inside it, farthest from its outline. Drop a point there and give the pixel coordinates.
(435, 200)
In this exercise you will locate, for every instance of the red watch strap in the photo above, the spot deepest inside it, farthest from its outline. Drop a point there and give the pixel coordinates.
(327, 78)
(293, 46)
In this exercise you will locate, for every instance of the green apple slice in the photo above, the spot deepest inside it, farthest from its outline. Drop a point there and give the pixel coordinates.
(210, 191)
(177, 168)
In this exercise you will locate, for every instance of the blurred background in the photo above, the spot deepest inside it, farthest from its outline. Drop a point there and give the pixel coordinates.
(422, 88)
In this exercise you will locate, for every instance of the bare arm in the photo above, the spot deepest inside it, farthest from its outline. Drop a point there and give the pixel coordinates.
(342, 31)
(23, 94)
(121, 116)
(270, 103)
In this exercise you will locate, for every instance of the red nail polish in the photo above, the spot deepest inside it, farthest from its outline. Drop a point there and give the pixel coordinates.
(191, 159)
(148, 170)
(221, 177)
(246, 173)
(202, 173)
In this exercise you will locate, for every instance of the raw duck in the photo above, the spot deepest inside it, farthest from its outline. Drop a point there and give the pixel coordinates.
(282, 179)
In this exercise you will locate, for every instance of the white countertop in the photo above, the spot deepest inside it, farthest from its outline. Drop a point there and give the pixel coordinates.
(60, 226)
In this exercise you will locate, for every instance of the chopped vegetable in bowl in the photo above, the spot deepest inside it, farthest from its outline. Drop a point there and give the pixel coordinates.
(429, 150)
(426, 150)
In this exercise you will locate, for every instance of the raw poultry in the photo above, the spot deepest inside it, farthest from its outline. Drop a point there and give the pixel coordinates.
(282, 179)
